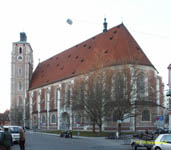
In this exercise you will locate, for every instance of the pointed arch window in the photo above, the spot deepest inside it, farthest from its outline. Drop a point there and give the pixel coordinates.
(53, 119)
(140, 86)
(115, 116)
(46, 100)
(119, 86)
(43, 119)
(68, 96)
(77, 118)
(20, 102)
(146, 115)
(20, 85)
(56, 98)
(20, 72)
(20, 50)
(35, 120)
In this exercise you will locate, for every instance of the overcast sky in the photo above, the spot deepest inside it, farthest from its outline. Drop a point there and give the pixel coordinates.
(44, 21)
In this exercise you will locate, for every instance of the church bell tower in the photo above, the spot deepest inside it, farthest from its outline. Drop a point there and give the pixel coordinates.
(21, 72)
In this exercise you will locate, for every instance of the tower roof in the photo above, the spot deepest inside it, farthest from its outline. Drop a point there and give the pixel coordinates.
(169, 67)
(116, 46)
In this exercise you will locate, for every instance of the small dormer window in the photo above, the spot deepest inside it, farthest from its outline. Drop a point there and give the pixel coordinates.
(20, 50)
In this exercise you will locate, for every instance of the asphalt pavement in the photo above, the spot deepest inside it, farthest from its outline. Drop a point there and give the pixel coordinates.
(46, 141)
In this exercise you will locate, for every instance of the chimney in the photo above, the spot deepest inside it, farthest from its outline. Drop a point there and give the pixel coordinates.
(105, 25)
(23, 36)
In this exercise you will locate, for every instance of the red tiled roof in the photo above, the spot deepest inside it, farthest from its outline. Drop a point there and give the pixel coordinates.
(116, 46)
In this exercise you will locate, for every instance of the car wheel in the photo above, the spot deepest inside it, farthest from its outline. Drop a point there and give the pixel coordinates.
(134, 147)
(157, 148)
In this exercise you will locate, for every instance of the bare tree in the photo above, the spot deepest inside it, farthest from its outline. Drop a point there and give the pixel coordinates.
(131, 92)
(92, 95)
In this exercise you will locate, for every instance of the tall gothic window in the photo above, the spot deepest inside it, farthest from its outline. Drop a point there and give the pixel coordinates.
(68, 96)
(77, 118)
(140, 86)
(46, 99)
(43, 119)
(119, 87)
(19, 71)
(146, 115)
(56, 98)
(20, 85)
(20, 50)
(115, 116)
(53, 119)
(35, 120)
(20, 102)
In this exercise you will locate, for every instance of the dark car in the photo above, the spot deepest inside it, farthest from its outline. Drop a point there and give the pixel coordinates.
(66, 134)
(1, 139)
(1, 136)
(162, 131)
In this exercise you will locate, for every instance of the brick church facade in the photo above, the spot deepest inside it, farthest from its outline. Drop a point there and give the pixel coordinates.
(43, 92)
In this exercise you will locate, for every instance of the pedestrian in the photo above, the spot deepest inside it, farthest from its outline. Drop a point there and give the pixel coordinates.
(22, 139)
(6, 139)
(146, 131)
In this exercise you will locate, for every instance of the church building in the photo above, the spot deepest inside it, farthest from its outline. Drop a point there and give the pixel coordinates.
(41, 95)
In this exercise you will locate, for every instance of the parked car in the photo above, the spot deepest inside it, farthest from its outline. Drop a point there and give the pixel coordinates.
(142, 140)
(1, 137)
(162, 130)
(162, 142)
(15, 132)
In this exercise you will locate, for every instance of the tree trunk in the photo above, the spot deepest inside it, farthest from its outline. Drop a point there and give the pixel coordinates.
(100, 128)
(119, 128)
(94, 127)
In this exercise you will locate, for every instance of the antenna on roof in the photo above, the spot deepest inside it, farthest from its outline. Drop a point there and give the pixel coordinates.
(122, 20)
(105, 25)
(39, 60)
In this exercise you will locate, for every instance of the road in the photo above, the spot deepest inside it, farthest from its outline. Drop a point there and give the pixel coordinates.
(38, 141)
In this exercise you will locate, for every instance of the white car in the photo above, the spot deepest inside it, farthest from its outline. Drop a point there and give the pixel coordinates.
(15, 132)
(162, 142)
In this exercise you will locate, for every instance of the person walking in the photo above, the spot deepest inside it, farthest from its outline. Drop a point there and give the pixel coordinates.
(22, 139)
(6, 139)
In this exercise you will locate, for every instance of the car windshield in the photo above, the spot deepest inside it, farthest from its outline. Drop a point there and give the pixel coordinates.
(14, 129)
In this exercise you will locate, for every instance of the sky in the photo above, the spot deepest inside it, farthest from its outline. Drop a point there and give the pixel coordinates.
(44, 22)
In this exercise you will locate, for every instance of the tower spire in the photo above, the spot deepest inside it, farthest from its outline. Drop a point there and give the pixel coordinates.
(105, 25)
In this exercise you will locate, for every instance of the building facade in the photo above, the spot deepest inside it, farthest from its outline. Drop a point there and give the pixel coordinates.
(21, 71)
(169, 80)
(169, 95)
(51, 83)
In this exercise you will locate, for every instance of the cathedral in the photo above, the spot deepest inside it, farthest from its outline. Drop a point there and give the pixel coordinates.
(38, 97)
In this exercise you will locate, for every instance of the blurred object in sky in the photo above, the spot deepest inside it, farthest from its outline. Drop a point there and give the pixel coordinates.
(69, 21)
